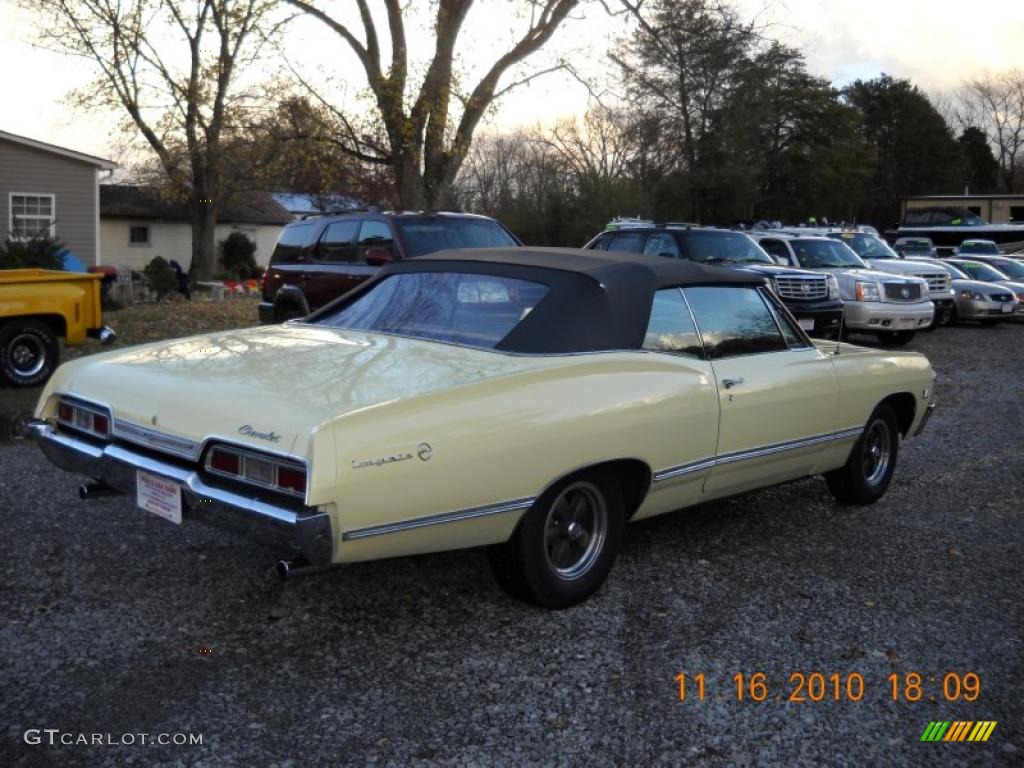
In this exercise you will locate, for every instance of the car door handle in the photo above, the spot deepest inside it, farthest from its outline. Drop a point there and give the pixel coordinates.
(730, 383)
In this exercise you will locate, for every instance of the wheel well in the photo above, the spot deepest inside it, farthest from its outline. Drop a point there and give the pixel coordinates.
(634, 478)
(905, 406)
(55, 323)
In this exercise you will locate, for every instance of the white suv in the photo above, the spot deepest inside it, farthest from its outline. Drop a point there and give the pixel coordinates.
(892, 307)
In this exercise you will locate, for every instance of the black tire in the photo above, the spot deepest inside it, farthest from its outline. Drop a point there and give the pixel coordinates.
(29, 353)
(863, 480)
(954, 317)
(286, 313)
(565, 545)
(895, 338)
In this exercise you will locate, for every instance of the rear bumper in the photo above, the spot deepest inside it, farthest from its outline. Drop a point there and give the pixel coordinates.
(305, 531)
(103, 334)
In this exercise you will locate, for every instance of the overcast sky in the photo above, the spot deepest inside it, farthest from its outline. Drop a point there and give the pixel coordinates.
(935, 43)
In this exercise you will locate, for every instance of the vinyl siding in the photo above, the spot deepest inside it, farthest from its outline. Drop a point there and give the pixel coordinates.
(173, 240)
(72, 183)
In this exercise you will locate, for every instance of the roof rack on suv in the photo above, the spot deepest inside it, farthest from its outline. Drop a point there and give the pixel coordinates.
(339, 211)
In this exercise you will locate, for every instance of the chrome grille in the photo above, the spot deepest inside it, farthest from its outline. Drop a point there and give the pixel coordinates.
(903, 291)
(806, 288)
(937, 281)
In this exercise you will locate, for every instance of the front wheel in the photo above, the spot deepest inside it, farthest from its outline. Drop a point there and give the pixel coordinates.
(566, 544)
(895, 338)
(28, 353)
(867, 473)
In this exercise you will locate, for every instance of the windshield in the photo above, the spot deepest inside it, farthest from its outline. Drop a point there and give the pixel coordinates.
(459, 308)
(866, 246)
(955, 272)
(821, 254)
(1013, 269)
(980, 247)
(429, 234)
(717, 246)
(980, 271)
(923, 247)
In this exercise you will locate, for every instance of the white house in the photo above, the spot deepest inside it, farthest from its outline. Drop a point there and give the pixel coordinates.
(136, 225)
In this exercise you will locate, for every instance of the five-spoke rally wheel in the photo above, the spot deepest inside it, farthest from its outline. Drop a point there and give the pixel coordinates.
(565, 544)
(867, 473)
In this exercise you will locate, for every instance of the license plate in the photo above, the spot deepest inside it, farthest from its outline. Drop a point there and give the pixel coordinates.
(910, 323)
(807, 323)
(1007, 308)
(158, 495)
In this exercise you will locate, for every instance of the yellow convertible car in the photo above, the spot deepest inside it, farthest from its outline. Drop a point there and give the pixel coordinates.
(530, 400)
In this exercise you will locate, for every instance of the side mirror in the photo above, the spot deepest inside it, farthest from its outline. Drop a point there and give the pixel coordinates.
(378, 257)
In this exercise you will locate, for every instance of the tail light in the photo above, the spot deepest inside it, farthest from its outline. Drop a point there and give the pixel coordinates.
(257, 469)
(91, 419)
(265, 283)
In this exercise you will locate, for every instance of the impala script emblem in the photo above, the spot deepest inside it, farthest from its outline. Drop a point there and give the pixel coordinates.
(423, 451)
(249, 431)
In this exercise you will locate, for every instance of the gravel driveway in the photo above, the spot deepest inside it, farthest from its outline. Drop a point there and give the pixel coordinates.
(117, 623)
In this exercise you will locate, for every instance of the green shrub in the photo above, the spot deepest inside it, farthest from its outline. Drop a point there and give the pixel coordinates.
(238, 256)
(37, 253)
(160, 278)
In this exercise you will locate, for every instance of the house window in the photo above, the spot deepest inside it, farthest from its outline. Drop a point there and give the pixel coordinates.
(138, 235)
(31, 216)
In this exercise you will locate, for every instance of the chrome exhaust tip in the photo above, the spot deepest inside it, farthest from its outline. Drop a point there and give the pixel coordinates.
(289, 569)
(95, 491)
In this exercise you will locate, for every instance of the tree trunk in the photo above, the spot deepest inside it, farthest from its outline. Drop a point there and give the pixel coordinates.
(204, 245)
(409, 182)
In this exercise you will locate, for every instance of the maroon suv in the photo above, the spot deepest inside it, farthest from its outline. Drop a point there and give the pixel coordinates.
(318, 259)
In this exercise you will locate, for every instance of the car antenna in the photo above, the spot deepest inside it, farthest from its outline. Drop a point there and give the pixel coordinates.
(839, 333)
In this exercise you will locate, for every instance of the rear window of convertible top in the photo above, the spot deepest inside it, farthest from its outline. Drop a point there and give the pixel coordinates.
(460, 308)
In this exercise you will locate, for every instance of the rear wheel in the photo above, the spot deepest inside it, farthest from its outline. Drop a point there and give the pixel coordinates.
(289, 312)
(565, 545)
(895, 338)
(28, 353)
(867, 473)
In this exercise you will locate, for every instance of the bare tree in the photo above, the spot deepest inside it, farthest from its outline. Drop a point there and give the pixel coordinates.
(994, 103)
(174, 67)
(425, 142)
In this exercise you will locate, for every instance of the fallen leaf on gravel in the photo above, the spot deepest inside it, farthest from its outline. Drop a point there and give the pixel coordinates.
(869, 603)
(278, 612)
(954, 552)
(891, 655)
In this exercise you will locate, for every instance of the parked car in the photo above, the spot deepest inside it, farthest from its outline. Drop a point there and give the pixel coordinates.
(911, 247)
(979, 270)
(975, 247)
(317, 259)
(37, 308)
(878, 255)
(984, 302)
(1012, 267)
(812, 298)
(529, 400)
(891, 307)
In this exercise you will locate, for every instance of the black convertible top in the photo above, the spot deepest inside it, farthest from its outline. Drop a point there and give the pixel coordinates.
(596, 300)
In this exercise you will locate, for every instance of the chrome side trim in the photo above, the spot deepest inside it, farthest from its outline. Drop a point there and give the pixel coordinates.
(155, 439)
(788, 445)
(753, 453)
(683, 469)
(445, 517)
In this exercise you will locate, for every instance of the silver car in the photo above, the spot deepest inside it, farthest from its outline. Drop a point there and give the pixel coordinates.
(979, 300)
(979, 269)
